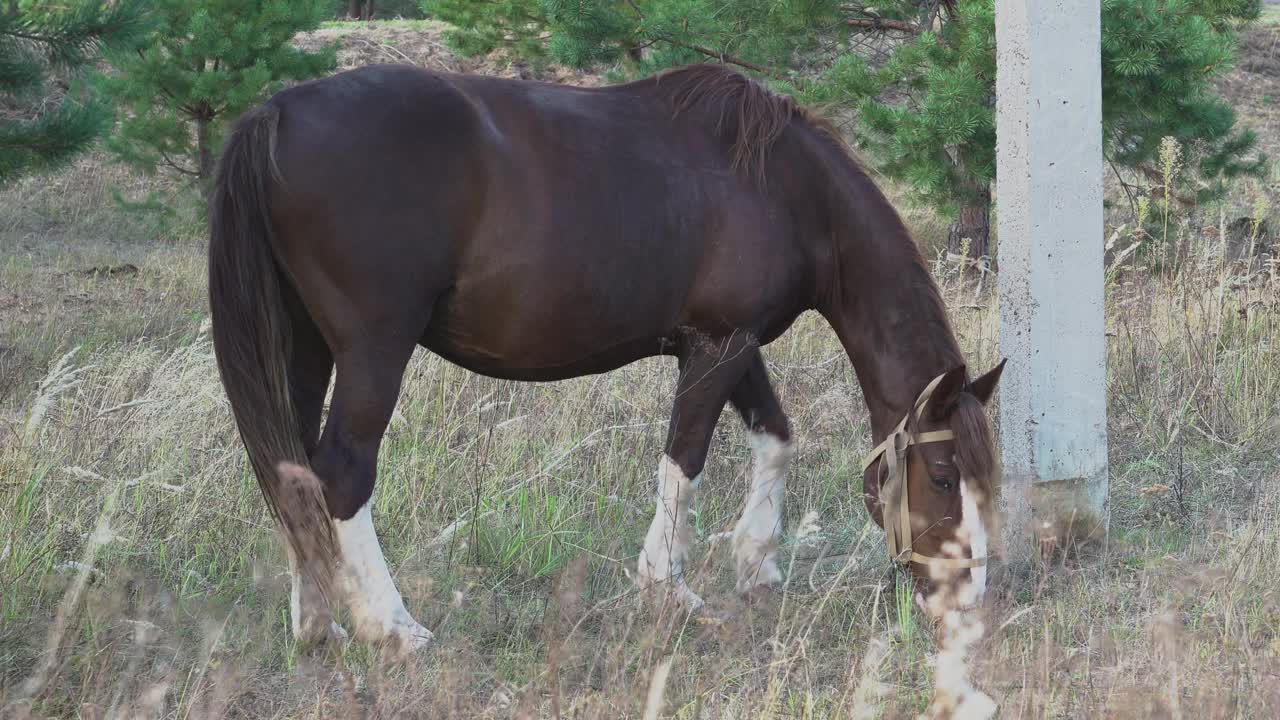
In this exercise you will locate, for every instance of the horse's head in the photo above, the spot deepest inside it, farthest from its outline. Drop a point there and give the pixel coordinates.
(930, 484)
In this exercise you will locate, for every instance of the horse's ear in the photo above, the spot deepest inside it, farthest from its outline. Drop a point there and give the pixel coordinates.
(984, 387)
(945, 394)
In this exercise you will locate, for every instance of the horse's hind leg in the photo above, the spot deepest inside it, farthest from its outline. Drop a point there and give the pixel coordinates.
(364, 396)
(709, 370)
(310, 365)
(756, 535)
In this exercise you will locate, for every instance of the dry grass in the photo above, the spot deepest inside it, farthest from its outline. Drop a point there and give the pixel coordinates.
(139, 576)
(138, 573)
(75, 268)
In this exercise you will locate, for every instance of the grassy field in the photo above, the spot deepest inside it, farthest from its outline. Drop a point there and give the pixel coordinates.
(139, 576)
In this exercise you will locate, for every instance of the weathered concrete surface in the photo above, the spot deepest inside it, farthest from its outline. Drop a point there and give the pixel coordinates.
(1049, 212)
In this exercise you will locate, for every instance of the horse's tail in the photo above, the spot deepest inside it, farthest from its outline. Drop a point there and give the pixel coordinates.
(251, 339)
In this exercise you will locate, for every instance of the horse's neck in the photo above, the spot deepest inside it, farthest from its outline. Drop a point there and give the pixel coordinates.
(897, 344)
(888, 314)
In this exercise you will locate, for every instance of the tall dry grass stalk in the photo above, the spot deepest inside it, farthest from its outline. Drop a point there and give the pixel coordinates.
(69, 605)
(62, 377)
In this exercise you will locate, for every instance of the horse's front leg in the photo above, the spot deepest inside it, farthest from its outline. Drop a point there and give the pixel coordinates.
(759, 530)
(709, 371)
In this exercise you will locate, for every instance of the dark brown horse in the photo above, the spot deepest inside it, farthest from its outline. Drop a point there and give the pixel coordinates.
(537, 232)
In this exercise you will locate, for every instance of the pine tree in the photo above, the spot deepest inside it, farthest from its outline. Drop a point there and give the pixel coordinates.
(46, 53)
(479, 28)
(920, 74)
(941, 140)
(209, 62)
(376, 9)
(650, 34)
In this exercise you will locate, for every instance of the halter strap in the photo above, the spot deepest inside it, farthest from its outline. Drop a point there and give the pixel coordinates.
(893, 490)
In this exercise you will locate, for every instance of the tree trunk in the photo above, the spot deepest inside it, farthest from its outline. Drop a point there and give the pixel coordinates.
(205, 169)
(974, 224)
(362, 9)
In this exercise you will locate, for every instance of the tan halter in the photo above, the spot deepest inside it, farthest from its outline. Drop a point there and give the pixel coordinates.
(893, 489)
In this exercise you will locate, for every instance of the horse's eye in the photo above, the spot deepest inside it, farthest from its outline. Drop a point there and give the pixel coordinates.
(945, 483)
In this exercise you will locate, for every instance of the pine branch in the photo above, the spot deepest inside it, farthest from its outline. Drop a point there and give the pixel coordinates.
(885, 24)
(1133, 203)
(69, 39)
(50, 140)
(21, 71)
(724, 57)
(169, 161)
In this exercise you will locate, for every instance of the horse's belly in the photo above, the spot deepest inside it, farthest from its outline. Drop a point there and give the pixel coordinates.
(537, 340)
(545, 368)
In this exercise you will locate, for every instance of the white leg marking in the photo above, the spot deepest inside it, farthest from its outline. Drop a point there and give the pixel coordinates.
(971, 521)
(755, 537)
(310, 619)
(375, 603)
(667, 543)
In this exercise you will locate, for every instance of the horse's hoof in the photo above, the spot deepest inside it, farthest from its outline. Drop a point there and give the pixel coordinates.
(755, 572)
(400, 633)
(759, 594)
(679, 590)
(336, 634)
(688, 600)
(315, 637)
(410, 636)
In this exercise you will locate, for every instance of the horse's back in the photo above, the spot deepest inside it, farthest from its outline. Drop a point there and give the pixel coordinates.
(545, 230)
(377, 132)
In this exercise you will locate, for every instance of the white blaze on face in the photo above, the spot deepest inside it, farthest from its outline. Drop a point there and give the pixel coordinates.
(372, 597)
(976, 532)
(667, 543)
(755, 536)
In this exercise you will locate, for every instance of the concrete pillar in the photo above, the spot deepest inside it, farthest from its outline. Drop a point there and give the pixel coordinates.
(1053, 393)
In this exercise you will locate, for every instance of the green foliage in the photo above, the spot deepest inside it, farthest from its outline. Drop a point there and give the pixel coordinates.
(480, 28)
(942, 140)
(672, 32)
(207, 64)
(45, 52)
(926, 104)
(1159, 58)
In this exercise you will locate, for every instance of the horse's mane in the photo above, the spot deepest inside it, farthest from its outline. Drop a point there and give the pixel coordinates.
(974, 443)
(746, 113)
